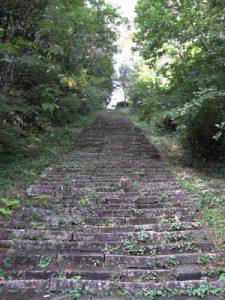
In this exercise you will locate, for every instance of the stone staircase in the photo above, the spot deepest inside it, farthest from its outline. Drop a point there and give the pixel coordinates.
(109, 221)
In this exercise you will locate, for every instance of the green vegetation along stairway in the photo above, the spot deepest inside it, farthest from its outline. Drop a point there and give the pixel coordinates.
(106, 221)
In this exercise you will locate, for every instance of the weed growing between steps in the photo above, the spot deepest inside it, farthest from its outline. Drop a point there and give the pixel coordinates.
(201, 291)
(205, 180)
(17, 172)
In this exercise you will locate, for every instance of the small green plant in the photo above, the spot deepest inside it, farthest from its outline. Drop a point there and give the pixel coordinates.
(5, 212)
(45, 261)
(201, 291)
(97, 263)
(39, 227)
(11, 204)
(171, 261)
(38, 216)
(130, 246)
(76, 277)
(7, 206)
(106, 224)
(151, 250)
(143, 237)
(61, 262)
(85, 201)
(147, 278)
(116, 277)
(75, 292)
(221, 272)
(9, 261)
(60, 276)
(203, 259)
(3, 275)
(135, 184)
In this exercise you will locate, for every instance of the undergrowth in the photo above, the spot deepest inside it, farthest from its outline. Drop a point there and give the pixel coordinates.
(204, 179)
(18, 171)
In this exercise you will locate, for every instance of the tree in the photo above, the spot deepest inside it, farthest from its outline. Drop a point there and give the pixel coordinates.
(56, 62)
(125, 79)
(184, 42)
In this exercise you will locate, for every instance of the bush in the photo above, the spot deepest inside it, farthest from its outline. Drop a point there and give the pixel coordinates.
(199, 124)
(165, 122)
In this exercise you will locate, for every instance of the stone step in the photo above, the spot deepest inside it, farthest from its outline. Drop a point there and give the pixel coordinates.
(13, 259)
(110, 247)
(142, 236)
(107, 227)
(174, 225)
(159, 261)
(50, 258)
(144, 212)
(33, 235)
(138, 220)
(98, 205)
(180, 273)
(94, 288)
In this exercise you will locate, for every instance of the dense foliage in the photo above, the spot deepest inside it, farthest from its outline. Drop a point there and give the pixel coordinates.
(183, 43)
(55, 64)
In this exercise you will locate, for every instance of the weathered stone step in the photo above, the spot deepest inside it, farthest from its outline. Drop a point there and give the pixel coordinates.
(50, 258)
(14, 259)
(107, 227)
(24, 289)
(171, 211)
(103, 193)
(154, 194)
(180, 273)
(97, 287)
(137, 220)
(98, 205)
(174, 225)
(143, 236)
(153, 220)
(158, 261)
(130, 248)
(134, 201)
(29, 234)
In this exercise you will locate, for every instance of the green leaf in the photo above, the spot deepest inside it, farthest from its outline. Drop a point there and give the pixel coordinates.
(5, 212)
(10, 203)
(222, 276)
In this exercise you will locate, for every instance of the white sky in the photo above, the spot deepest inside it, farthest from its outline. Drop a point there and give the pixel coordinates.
(127, 9)
(127, 6)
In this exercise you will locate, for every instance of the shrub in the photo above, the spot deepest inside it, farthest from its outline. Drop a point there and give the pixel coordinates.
(199, 121)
